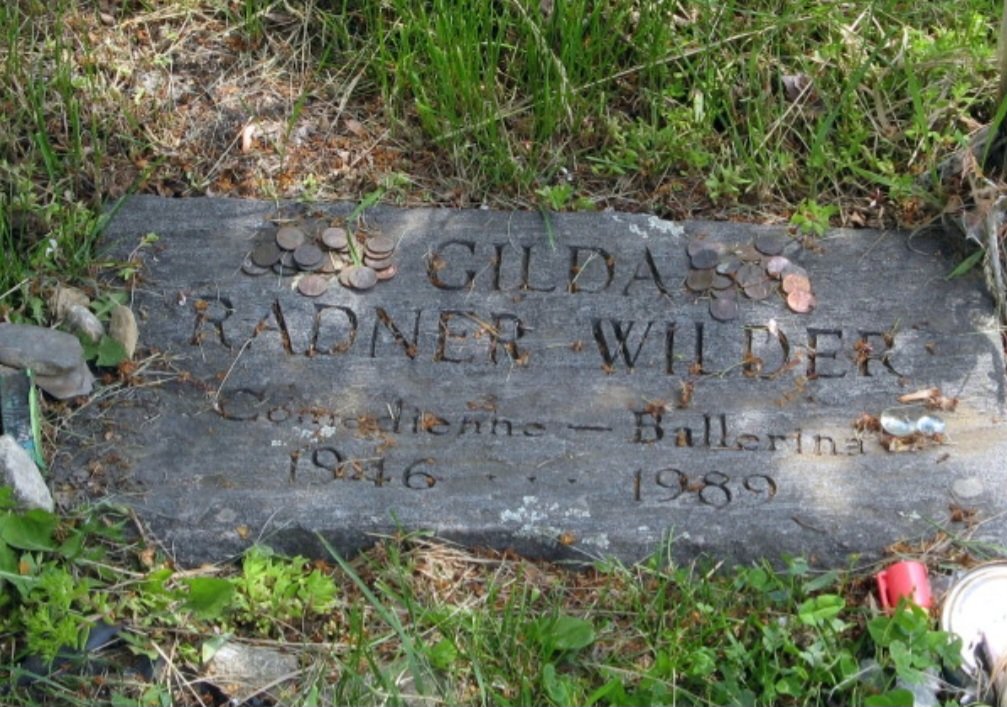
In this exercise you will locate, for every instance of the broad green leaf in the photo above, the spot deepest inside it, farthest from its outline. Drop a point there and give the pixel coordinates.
(209, 596)
(754, 577)
(893, 698)
(819, 610)
(901, 656)
(107, 352)
(31, 530)
(8, 560)
(556, 686)
(790, 685)
(881, 630)
(568, 633)
(110, 352)
(156, 581)
(72, 546)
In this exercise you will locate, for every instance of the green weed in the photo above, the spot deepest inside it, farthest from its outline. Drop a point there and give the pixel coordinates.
(812, 217)
(414, 618)
(513, 94)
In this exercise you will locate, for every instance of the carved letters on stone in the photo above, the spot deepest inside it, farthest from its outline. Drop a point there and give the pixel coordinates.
(567, 397)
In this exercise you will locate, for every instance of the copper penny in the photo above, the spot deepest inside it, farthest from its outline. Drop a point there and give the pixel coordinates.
(378, 263)
(285, 265)
(335, 238)
(249, 267)
(699, 280)
(344, 276)
(266, 255)
(705, 258)
(723, 310)
(312, 285)
(308, 256)
(363, 278)
(290, 237)
(379, 245)
(759, 291)
(388, 273)
(776, 265)
(796, 282)
(721, 282)
(771, 243)
(749, 274)
(801, 301)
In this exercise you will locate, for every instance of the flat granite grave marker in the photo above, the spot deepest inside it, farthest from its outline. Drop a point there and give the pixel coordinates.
(568, 397)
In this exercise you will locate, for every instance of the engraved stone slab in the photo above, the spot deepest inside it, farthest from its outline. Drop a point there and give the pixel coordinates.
(570, 398)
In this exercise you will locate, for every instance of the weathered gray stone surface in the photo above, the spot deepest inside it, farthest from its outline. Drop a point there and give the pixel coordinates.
(18, 471)
(484, 394)
(46, 351)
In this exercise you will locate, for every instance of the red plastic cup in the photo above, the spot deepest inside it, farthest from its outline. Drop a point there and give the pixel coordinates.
(906, 579)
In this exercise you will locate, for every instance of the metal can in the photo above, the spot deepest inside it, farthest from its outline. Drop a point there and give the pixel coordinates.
(975, 609)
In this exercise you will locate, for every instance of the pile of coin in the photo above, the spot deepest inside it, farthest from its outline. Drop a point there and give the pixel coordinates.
(756, 270)
(318, 255)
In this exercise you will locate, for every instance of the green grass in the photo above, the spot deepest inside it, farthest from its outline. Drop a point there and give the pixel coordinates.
(415, 618)
(642, 93)
(52, 148)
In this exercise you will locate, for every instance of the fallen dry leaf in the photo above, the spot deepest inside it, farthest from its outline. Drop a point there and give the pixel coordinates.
(919, 396)
(867, 423)
(962, 515)
(248, 134)
(932, 398)
(355, 127)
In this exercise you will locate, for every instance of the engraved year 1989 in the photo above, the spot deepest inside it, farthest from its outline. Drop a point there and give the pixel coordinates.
(713, 488)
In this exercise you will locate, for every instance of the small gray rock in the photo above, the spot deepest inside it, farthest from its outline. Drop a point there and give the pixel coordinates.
(46, 351)
(83, 321)
(122, 328)
(18, 471)
(63, 298)
(79, 381)
(242, 671)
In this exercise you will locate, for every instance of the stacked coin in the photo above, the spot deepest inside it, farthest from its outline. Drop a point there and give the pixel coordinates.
(755, 269)
(316, 254)
(379, 255)
(335, 241)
